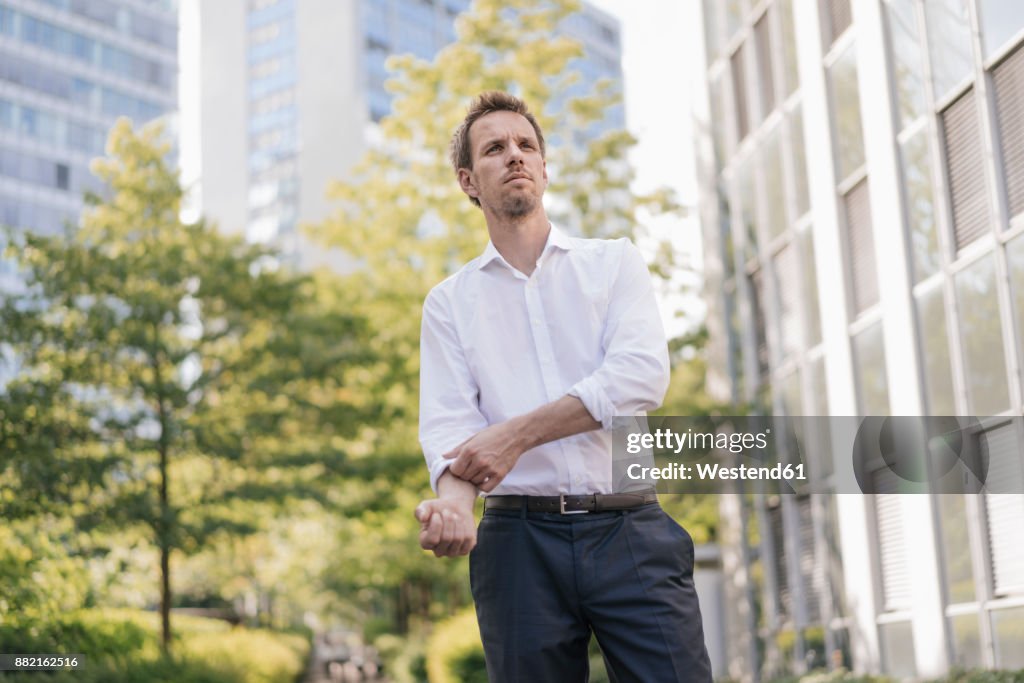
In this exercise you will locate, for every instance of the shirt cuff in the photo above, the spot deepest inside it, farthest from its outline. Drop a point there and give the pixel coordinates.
(437, 468)
(595, 400)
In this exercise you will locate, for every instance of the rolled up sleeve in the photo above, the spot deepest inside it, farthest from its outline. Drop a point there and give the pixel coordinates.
(634, 374)
(449, 396)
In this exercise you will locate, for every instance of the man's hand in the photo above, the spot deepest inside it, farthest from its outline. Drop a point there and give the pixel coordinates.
(486, 457)
(447, 526)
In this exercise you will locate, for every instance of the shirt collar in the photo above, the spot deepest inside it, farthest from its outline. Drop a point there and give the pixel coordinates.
(556, 239)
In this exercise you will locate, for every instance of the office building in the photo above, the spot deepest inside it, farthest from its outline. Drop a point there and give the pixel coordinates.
(291, 92)
(68, 70)
(862, 203)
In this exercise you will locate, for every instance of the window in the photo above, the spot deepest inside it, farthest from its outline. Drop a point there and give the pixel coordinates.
(1000, 21)
(766, 82)
(892, 549)
(966, 169)
(1004, 512)
(809, 288)
(712, 41)
(1007, 625)
(920, 198)
(756, 287)
(734, 10)
(966, 640)
(1015, 263)
(869, 361)
(773, 174)
(959, 571)
(938, 376)
(748, 206)
(63, 177)
(908, 62)
(949, 44)
(739, 88)
(861, 247)
(1008, 79)
(718, 108)
(846, 113)
(787, 296)
(791, 71)
(837, 19)
(981, 337)
(897, 640)
(796, 137)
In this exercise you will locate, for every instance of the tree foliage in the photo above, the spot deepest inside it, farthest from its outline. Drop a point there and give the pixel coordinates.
(164, 376)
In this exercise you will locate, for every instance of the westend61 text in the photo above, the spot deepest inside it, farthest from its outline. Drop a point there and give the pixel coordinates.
(708, 472)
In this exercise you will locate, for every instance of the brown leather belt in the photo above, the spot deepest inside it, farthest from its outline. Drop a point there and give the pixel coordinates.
(573, 505)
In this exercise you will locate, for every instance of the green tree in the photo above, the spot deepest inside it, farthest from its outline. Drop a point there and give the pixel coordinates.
(167, 379)
(402, 214)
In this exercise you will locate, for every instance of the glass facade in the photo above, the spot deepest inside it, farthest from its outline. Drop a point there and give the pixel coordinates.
(951, 71)
(68, 69)
(273, 129)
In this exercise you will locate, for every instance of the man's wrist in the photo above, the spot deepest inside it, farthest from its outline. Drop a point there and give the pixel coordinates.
(450, 487)
(523, 433)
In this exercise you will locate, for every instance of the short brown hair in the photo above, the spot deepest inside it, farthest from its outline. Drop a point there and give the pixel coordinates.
(487, 103)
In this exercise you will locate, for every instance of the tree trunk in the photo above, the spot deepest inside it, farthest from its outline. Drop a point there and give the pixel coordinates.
(165, 598)
(164, 521)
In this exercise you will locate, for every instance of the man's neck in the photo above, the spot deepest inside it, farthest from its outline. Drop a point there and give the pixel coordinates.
(520, 242)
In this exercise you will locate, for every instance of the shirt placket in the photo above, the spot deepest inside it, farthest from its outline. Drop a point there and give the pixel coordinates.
(549, 370)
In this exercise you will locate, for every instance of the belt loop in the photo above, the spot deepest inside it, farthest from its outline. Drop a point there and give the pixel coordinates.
(524, 507)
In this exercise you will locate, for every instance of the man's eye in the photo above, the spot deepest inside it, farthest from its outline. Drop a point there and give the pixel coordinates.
(494, 148)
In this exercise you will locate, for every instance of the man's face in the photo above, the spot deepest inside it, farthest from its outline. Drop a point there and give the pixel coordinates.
(509, 175)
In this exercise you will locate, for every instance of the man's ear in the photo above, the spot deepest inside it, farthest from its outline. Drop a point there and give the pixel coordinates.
(467, 184)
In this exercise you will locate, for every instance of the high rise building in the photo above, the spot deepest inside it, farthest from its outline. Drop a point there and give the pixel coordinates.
(68, 70)
(291, 92)
(862, 197)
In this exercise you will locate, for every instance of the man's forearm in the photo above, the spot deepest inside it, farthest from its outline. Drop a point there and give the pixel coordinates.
(556, 420)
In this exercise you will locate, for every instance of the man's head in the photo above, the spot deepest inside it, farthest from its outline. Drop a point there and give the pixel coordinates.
(499, 156)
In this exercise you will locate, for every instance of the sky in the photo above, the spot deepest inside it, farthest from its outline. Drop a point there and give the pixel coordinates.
(659, 49)
(661, 57)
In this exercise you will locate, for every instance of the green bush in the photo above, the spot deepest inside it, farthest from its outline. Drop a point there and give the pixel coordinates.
(455, 653)
(123, 646)
(402, 657)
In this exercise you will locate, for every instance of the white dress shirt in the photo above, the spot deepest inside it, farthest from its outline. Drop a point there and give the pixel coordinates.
(496, 344)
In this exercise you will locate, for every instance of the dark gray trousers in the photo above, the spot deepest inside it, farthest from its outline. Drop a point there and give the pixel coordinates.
(542, 582)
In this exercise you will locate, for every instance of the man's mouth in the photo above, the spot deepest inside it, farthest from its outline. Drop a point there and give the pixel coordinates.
(517, 176)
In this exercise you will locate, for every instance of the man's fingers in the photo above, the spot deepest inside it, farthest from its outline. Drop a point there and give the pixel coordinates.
(422, 513)
(459, 465)
(491, 483)
(444, 533)
(430, 536)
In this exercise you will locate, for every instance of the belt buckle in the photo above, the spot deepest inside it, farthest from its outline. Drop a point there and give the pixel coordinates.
(563, 511)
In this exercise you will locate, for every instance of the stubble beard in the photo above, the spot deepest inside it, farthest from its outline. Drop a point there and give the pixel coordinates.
(518, 206)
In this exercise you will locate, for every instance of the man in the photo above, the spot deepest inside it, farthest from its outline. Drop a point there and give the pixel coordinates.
(527, 354)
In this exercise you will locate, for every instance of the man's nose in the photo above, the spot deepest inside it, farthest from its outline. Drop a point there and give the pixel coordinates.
(515, 155)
